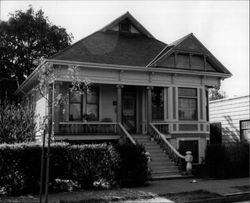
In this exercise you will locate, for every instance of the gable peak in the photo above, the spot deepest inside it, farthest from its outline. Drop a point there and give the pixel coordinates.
(128, 24)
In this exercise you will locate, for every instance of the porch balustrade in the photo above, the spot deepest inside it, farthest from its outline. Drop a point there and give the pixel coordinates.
(87, 128)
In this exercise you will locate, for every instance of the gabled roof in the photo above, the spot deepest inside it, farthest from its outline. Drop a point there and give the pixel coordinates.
(188, 44)
(136, 48)
(134, 22)
(108, 46)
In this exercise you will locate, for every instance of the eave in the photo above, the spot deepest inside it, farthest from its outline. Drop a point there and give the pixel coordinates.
(32, 77)
(170, 70)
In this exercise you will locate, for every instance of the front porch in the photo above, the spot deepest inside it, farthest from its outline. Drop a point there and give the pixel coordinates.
(98, 114)
(113, 112)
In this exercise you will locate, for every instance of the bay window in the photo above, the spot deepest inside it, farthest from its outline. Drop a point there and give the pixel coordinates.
(187, 98)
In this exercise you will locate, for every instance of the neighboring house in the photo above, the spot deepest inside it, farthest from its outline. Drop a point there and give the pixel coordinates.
(140, 84)
(230, 113)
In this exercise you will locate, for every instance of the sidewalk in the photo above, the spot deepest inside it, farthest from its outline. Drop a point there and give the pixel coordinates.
(221, 187)
(153, 190)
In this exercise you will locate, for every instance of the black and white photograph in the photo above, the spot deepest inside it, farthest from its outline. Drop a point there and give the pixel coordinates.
(124, 101)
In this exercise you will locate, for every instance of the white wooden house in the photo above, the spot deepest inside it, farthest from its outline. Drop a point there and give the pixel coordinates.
(230, 113)
(140, 86)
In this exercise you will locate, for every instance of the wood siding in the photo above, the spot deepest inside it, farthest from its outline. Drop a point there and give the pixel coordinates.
(229, 112)
(40, 112)
(108, 99)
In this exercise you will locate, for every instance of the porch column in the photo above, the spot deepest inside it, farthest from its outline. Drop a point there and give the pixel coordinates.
(119, 103)
(149, 105)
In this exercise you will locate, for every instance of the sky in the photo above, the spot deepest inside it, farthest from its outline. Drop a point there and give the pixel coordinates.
(222, 26)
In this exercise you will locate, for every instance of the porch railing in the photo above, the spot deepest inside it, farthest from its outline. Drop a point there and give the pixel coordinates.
(125, 133)
(87, 128)
(168, 148)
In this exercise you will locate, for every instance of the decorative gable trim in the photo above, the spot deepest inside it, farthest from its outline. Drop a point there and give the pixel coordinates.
(189, 45)
(134, 22)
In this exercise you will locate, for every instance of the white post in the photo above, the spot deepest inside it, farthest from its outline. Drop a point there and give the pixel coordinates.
(189, 159)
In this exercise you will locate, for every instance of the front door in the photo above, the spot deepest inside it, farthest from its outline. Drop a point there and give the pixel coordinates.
(129, 110)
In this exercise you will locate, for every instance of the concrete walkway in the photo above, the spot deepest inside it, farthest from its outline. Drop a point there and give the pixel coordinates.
(155, 190)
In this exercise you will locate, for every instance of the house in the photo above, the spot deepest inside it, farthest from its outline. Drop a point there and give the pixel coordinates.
(140, 87)
(233, 115)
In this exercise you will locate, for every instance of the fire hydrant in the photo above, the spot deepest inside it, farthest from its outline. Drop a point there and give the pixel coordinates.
(189, 159)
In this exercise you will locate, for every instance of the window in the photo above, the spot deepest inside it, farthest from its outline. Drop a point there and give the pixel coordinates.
(158, 103)
(125, 26)
(92, 104)
(84, 106)
(75, 106)
(245, 130)
(187, 103)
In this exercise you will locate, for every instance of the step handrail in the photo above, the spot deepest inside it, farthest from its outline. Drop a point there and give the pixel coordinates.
(173, 152)
(166, 142)
(126, 133)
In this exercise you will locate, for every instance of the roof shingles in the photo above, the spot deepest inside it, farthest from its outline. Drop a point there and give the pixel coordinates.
(113, 48)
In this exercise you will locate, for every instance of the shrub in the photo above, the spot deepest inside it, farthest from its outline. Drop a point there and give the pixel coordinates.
(133, 169)
(19, 167)
(69, 165)
(90, 163)
(228, 161)
(16, 124)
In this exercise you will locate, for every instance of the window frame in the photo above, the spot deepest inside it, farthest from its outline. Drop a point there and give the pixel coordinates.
(244, 128)
(163, 105)
(92, 103)
(190, 98)
(81, 106)
(84, 104)
(123, 23)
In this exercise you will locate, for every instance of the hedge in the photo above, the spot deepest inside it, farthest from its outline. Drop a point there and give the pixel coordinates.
(227, 161)
(20, 165)
(133, 169)
(85, 165)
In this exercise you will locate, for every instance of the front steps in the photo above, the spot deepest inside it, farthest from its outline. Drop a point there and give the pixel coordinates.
(162, 167)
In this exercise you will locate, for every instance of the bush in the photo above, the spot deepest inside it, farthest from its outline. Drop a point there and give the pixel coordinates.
(71, 166)
(16, 124)
(82, 164)
(133, 169)
(228, 161)
(90, 163)
(19, 167)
